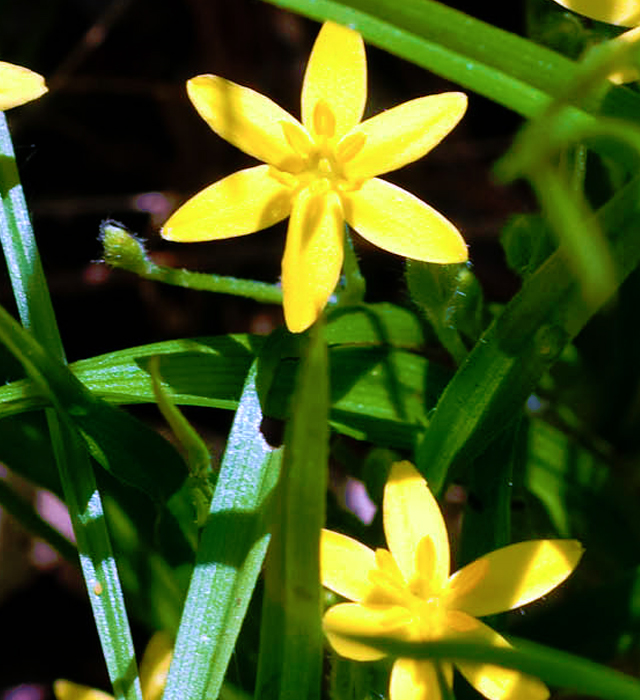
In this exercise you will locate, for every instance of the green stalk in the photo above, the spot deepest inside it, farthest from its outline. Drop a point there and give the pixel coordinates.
(125, 251)
(76, 473)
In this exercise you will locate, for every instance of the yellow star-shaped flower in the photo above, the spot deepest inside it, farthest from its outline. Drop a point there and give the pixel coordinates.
(321, 172)
(624, 13)
(19, 85)
(407, 592)
(154, 669)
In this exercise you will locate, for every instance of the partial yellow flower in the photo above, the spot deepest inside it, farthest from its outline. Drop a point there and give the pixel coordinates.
(321, 172)
(624, 13)
(408, 592)
(154, 669)
(19, 85)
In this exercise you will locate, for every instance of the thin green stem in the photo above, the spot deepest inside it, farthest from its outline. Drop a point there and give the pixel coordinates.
(354, 288)
(125, 251)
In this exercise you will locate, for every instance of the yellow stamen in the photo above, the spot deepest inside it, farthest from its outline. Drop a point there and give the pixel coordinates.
(324, 121)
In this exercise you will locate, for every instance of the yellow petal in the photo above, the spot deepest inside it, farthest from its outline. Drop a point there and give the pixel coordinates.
(513, 576)
(346, 619)
(66, 690)
(336, 75)
(154, 666)
(404, 134)
(245, 118)
(19, 85)
(345, 564)
(312, 258)
(625, 13)
(245, 202)
(397, 221)
(628, 73)
(412, 679)
(495, 682)
(410, 512)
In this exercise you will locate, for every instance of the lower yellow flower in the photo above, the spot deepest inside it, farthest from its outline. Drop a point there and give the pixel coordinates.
(19, 85)
(154, 668)
(407, 592)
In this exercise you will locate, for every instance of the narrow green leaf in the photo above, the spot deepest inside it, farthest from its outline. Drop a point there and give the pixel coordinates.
(115, 439)
(291, 638)
(76, 474)
(552, 665)
(491, 386)
(378, 392)
(232, 548)
(502, 66)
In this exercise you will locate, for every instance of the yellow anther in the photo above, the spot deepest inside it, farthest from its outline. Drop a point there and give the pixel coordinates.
(324, 121)
(297, 137)
(350, 146)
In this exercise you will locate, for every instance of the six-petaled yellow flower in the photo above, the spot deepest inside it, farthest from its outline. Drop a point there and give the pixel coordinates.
(19, 85)
(407, 592)
(321, 172)
(624, 13)
(154, 669)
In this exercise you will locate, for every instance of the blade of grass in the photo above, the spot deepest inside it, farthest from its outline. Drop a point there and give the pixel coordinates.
(552, 665)
(76, 474)
(290, 662)
(502, 66)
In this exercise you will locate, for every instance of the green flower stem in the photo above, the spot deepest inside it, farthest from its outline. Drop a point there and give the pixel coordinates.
(12, 502)
(76, 473)
(126, 252)
(354, 288)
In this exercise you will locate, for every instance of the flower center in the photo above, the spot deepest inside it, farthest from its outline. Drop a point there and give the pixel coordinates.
(319, 156)
(416, 607)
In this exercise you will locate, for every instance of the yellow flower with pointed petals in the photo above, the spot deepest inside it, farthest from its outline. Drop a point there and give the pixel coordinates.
(624, 13)
(19, 85)
(407, 592)
(321, 172)
(154, 668)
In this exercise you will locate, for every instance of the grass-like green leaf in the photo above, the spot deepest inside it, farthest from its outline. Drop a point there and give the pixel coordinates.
(502, 66)
(555, 667)
(291, 635)
(491, 386)
(74, 465)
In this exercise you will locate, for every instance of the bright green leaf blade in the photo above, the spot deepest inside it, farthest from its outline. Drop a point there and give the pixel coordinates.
(502, 66)
(290, 663)
(116, 439)
(378, 392)
(490, 388)
(232, 547)
(76, 473)
(555, 667)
